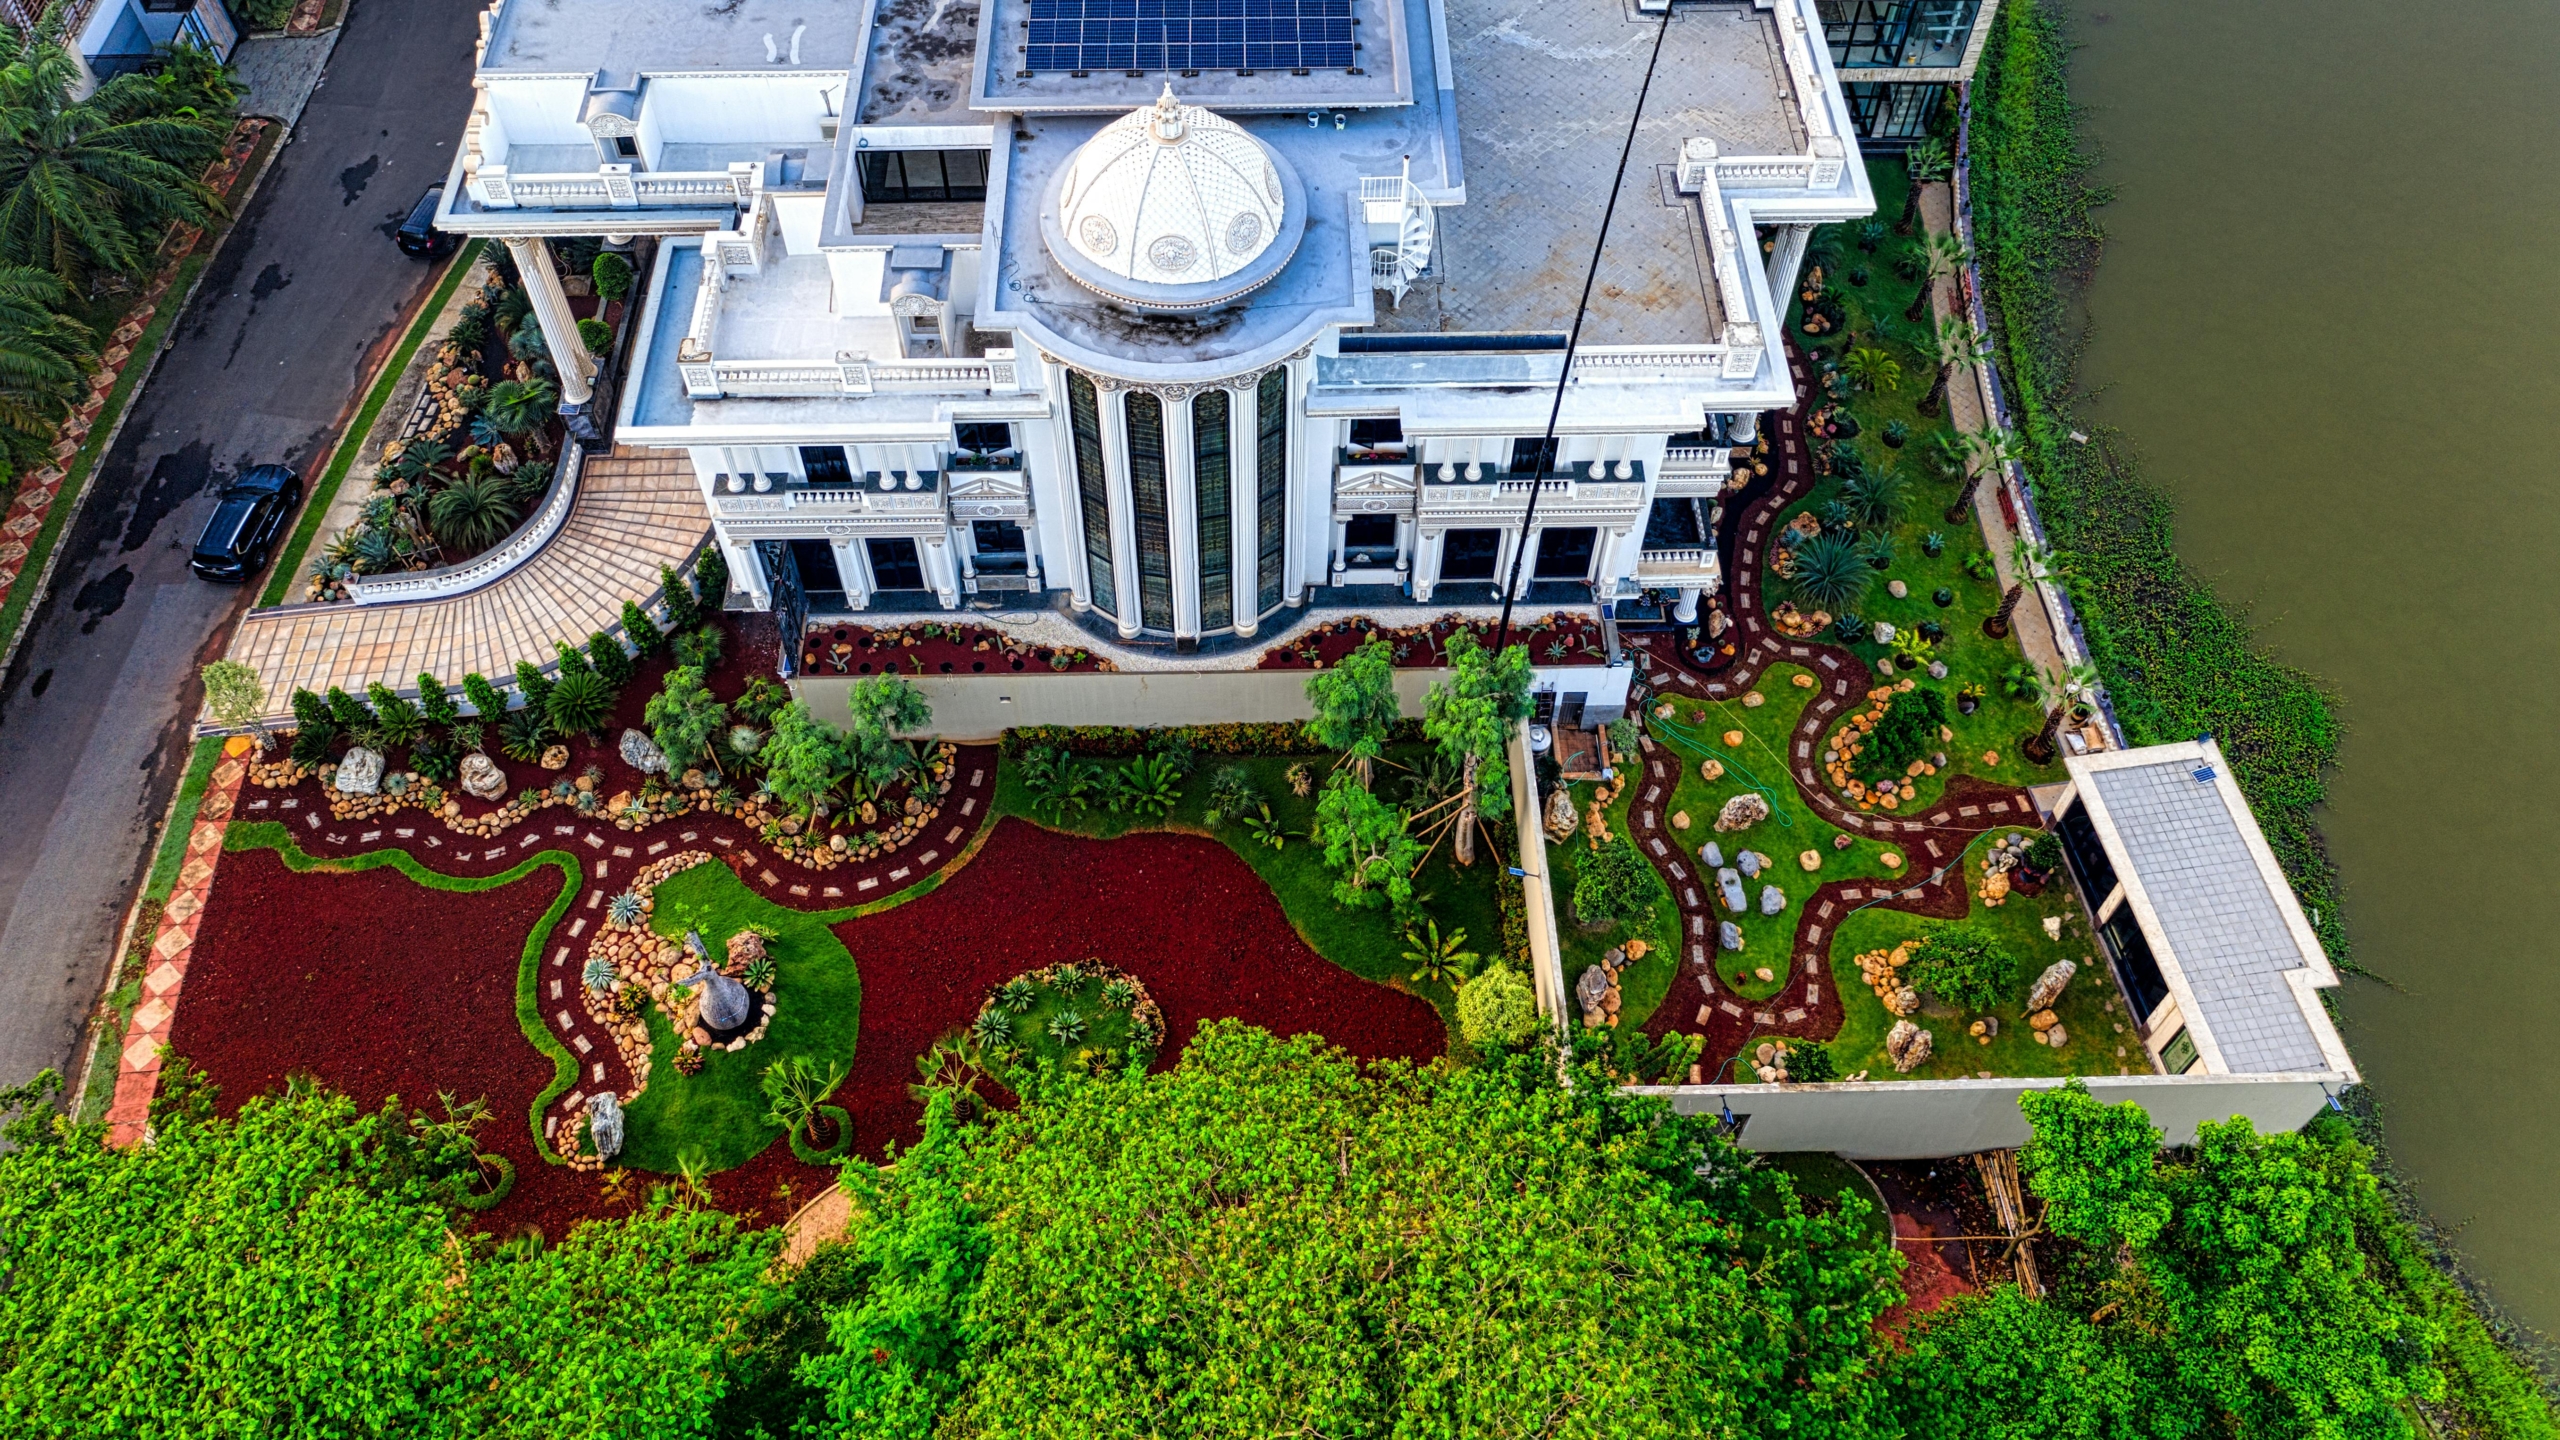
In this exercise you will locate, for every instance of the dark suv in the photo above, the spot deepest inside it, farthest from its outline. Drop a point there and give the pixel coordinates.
(247, 521)
(418, 234)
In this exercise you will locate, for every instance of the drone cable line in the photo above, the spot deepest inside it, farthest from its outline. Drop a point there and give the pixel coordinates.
(1573, 338)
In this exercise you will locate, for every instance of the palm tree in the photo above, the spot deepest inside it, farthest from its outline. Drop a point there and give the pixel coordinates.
(1873, 369)
(89, 184)
(1988, 451)
(1941, 256)
(44, 355)
(2060, 696)
(1927, 163)
(517, 407)
(1879, 497)
(1434, 959)
(1830, 573)
(1957, 349)
(2027, 563)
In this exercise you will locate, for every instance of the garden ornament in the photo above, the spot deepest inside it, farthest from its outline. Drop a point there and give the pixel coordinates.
(604, 1124)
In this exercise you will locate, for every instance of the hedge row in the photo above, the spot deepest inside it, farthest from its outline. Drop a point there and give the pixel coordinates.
(1234, 737)
(2177, 660)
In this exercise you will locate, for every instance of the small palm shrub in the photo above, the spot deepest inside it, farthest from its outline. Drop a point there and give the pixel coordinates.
(579, 704)
(1231, 793)
(1830, 573)
(1896, 434)
(524, 734)
(1018, 994)
(1878, 550)
(699, 647)
(398, 721)
(1066, 1027)
(1851, 627)
(473, 513)
(993, 1026)
(760, 974)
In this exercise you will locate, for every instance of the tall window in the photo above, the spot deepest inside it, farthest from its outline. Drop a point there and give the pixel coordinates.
(1146, 492)
(1209, 474)
(1093, 490)
(1534, 454)
(1271, 484)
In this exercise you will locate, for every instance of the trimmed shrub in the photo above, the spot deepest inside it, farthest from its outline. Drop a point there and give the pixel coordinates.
(1614, 883)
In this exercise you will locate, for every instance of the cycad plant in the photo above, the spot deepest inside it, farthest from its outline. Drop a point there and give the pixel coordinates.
(1830, 573)
(1878, 498)
(518, 407)
(580, 703)
(473, 513)
(1873, 369)
(88, 184)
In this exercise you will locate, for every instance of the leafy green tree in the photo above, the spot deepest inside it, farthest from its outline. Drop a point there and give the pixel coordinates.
(711, 579)
(1497, 1007)
(683, 612)
(1614, 883)
(882, 707)
(1953, 346)
(534, 686)
(2091, 1164)
(1355, 705)
(804, 759)
(571, 660)
(1271, 1239)
(351, 713)
(434, 703)
(235, 699)
(684, 718)
(88, 184)
(1370, 842)
(1964, 965)
(1472, 716)
(612, 275)
(486, 700)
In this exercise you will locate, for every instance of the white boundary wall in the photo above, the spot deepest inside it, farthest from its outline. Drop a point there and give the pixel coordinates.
(979, 708)
(1923, 1119)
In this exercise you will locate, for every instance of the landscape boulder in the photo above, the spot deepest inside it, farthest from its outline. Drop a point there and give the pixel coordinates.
(1728, 936)
(1729, 881)
(1909, 1046)
(1772, 900)
(1743, 811)
(360, 773)
(481, 777)
(2048, 986)
(1712, 853)
(604, 1125)
(642, 753)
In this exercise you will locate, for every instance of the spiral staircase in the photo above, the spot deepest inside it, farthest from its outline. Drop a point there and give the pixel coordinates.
(1400, 231)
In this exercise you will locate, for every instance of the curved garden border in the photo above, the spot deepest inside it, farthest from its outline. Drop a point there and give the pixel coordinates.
(1809, 1005)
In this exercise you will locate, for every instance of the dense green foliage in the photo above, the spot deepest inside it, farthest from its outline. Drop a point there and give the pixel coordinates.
(2177, 660)
(1614, 884)
(1270, 1240)
(1964, 965)
(1355, 704)
(1908, 732)
(1497, 1007)
(295, 1271)
(2217, 1290)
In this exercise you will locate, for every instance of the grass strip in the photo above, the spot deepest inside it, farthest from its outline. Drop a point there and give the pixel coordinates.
(272, 835)
(182, 820)
(288, 565)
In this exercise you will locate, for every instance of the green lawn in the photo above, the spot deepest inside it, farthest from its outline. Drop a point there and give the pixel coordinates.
(1642, 985)
(1091, 1031)
(720, 1112)
(2092, 1015)
(1368, 943)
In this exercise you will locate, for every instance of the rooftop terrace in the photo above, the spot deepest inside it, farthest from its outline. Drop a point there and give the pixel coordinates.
(624, 39)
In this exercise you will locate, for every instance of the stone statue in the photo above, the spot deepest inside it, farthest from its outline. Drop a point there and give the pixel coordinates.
(604, 1125)
(482, 777)
(725, 1003)
(360, 773)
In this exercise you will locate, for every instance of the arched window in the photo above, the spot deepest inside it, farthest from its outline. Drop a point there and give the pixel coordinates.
(1146, 493)
(1209, 474)
(1271, 484)
(1093, 490)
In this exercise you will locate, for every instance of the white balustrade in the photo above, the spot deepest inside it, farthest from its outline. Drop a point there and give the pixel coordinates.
(484, 568)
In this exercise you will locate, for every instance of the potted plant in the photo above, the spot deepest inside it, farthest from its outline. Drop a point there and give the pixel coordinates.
(1895, 434)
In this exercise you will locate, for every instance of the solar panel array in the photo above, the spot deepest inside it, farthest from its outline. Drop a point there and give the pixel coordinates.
(1190, 35)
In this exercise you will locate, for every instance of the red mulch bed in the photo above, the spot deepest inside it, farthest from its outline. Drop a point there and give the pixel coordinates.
(300, 973)
(864, 650)
(1929, 1198)
(1334, 639)
(1184, 914)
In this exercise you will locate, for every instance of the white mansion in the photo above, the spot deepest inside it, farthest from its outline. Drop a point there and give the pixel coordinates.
(1179, 312)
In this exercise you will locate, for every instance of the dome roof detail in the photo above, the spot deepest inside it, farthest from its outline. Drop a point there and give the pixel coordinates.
(1170, 197)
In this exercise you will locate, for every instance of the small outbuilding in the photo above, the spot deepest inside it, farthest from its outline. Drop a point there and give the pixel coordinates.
(2211, 946)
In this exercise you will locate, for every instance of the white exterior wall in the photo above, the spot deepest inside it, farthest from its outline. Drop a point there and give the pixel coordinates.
(1922, 1119)
(739, 109)
(796, 215)
(538, 110)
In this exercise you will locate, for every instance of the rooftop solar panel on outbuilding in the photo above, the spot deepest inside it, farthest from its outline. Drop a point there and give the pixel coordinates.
(1190, 35)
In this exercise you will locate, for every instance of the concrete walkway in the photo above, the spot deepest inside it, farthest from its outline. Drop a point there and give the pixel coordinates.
(636, 512)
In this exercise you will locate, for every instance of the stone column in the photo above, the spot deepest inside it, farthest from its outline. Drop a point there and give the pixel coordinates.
(1686, 612)
(939, 570)
(1182, 517)
(1113, 404)
(853, 567)
(1745, 429)
(1786, 263)
(1426, 563)
(559, 332)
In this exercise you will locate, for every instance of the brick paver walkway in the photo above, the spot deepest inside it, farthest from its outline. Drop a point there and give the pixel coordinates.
(636, 511)
(138, 1065)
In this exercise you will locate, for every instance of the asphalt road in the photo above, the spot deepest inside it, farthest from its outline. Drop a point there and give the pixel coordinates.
(94, 714)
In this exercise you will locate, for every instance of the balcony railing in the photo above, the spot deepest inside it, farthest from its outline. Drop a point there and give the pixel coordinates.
(616, 187)
(711, 379)
(1692, 565)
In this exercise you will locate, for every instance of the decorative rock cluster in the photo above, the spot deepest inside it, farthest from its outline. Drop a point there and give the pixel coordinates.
(1881, 969)
(1908, 1046)
(1560, 817)
(1769, 1062)
(1984, 1029)
(2048, 1028)
(1851, 738)
(1597, 990)
(1796, 625)
(1742, 812)
(2004, 858)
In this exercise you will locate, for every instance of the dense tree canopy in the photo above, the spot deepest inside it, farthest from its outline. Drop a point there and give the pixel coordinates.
(2215, 1290)
(1271, 1239)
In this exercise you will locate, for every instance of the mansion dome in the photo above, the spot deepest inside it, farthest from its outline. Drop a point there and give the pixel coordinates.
(1173, 207)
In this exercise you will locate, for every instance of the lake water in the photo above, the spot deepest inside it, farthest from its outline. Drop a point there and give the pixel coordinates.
(2328, 318)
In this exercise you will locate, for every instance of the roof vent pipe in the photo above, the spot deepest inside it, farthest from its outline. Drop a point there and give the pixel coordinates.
(772, 55)
(795, 41)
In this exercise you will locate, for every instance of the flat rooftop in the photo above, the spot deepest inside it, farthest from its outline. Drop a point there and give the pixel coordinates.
(2220, 916)
(624, 39)
(917, 71)
(1229, 55)
(1543, 92)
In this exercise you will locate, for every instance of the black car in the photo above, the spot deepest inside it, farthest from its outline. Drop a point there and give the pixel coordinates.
(418, 234)
(247, 520)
